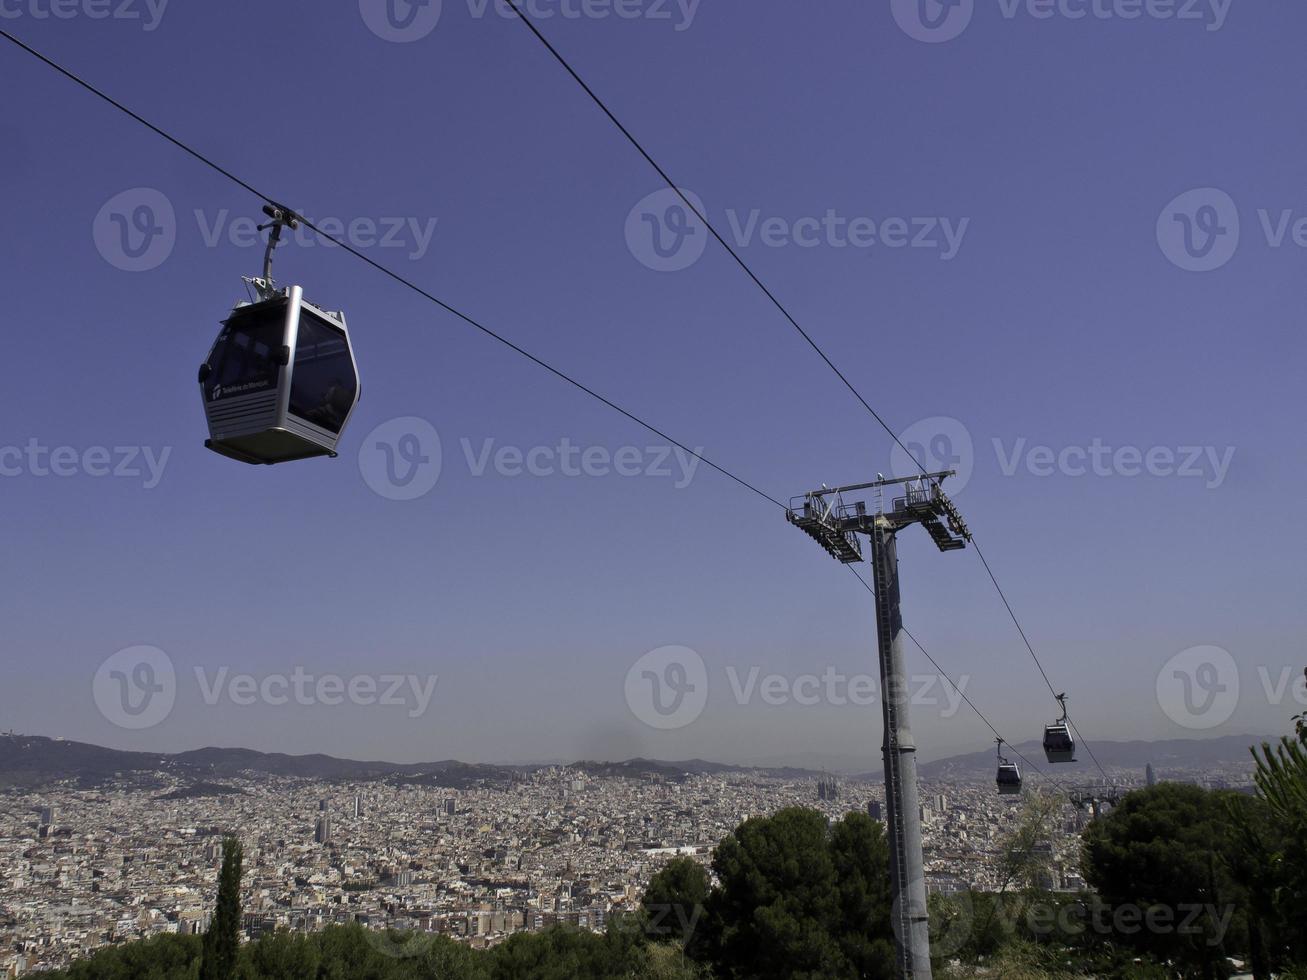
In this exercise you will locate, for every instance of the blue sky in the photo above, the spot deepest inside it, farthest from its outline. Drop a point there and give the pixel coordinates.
(1051, 150)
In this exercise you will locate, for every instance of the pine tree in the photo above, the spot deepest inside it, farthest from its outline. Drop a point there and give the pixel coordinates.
(222, 941)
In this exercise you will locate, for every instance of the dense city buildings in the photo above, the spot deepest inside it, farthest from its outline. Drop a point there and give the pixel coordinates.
(83, 868)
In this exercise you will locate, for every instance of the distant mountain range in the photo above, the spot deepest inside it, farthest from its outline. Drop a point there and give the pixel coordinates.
(34, 761)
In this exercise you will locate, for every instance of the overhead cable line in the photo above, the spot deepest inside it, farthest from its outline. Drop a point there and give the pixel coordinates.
(402, 280)
(739, 260)
(466, 318)
(1061, 698)
(961, 693)
(712, 229)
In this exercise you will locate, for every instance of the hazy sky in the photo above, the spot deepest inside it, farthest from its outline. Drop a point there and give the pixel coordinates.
(981, 221)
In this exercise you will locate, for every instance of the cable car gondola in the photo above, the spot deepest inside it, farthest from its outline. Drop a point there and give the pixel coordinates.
(280, 382)
(1009, 776)
(1059, 746)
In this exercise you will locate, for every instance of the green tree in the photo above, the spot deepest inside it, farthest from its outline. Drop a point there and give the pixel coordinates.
(570, 954)
(862, 928)
(772, 915)
(1160, 859)
(798, 901)
(280, 956)
(674, 904)
(1280, 869)
(158, 958)
(222, 941)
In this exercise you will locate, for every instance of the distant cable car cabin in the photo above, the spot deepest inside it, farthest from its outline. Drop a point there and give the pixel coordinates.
(280, 382)
(1059, 746)
(1009, 775)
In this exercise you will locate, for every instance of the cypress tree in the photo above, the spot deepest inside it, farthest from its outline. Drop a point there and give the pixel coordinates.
(222, 941)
